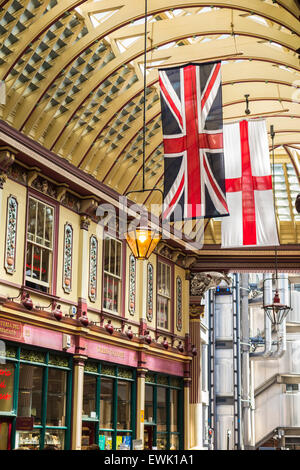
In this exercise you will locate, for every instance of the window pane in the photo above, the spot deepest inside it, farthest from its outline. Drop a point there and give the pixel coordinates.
(111, 293)
(56, 397)
(45, 265)
(174, 410)
(118, 259)
(32, 219)
(124, 439)
(174, 442)
(89, 396)
(124, 405)
(40, 223)
(105, 440)
(168, 289)
(29, 439)
(30, 392)
(55, 438)
(149, 403)
(6, 387)
(49, 227)
(112, 263)
(161, 409)
(29, 270)
(106, 404)
(162, 312)
(161, 441)
(106, 254)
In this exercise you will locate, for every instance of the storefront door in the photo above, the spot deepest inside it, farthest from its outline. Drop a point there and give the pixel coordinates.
(5, 434)
(148, 437)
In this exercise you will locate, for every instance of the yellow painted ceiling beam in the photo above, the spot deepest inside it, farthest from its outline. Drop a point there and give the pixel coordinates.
(244, 27)
(249, 47)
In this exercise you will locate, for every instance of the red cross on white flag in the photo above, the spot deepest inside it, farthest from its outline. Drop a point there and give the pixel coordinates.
(249, 192)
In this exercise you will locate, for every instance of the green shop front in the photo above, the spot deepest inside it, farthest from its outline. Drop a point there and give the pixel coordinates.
(35, 400)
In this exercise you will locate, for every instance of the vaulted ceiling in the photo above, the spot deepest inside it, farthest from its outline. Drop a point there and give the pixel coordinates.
(73, 72)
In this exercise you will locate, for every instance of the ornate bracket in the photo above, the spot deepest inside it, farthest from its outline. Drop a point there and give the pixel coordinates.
(201, 282)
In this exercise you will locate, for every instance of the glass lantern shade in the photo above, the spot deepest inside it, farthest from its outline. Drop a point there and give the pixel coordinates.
(142, 241)
(276, 310)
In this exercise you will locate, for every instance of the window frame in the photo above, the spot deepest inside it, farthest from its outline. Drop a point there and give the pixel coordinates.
(119, 279)
(170, 297)
(180, 418)
(45, 365)
(51, 287)
(116, 378)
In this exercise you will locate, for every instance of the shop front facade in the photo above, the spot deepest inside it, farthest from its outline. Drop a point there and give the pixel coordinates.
(72, 292)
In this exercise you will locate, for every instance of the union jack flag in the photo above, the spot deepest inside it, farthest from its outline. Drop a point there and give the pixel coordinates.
(194, 177)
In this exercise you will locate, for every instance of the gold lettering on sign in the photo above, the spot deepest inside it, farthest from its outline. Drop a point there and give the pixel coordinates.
(110, 352)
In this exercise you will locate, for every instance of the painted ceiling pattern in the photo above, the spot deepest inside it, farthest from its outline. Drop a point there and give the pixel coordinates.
(74, 76)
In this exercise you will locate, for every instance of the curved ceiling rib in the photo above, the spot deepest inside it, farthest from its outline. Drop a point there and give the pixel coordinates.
(233, 73)
(74, 51)
(73, 71)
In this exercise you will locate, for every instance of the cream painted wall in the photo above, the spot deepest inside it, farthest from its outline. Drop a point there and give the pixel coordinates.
(67, 216)
(19, 192)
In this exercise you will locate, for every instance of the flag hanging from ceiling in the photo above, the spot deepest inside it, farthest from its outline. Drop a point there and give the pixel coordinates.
(248, 186)
(194, 176)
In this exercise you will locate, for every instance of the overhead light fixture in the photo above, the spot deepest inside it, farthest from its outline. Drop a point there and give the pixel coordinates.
(276, 310)
(142, 240)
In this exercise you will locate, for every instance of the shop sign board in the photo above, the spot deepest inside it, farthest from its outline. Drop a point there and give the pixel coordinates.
(24, 423)
(10, 329)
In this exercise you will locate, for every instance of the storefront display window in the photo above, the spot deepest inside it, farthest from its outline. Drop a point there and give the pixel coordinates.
(55, 438)
(29, 439)
(163, 412)
(30, 392)
(89, 397)
(106, 404)
(56, 397)
(124, 405)
(112, 424)
(7, 375)
(38, 415)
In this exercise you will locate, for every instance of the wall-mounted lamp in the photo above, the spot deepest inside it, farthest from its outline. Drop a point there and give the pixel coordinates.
(129, 333)
(56, 311)
(84, 319)
(179, 346)
(109, 327)
(147, 337)
(26, 301)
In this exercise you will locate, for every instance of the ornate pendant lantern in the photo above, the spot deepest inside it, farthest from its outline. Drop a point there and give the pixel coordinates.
(143, 240)
(275, 310)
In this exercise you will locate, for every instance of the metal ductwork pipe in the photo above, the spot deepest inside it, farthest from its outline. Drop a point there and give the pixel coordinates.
(268, 296)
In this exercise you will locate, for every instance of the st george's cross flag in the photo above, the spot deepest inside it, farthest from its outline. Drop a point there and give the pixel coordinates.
(191, 104)
(248, 186)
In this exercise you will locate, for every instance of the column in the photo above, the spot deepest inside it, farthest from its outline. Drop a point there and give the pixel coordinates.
(78, 378)
(195, 392)
(140, 403)
(186, 418)
(83, 265)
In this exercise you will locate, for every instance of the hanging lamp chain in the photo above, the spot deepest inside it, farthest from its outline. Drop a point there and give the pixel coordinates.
(272, 132)
(145, 82)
